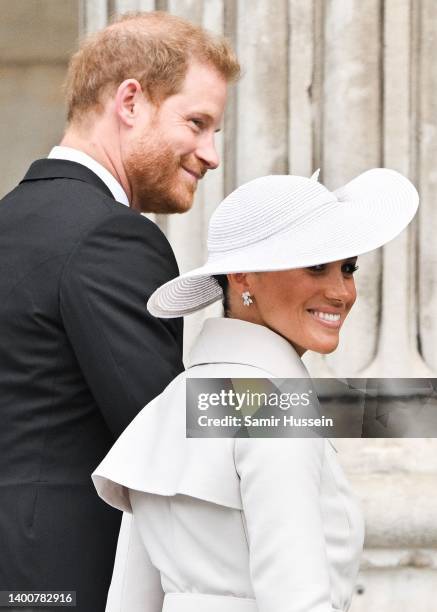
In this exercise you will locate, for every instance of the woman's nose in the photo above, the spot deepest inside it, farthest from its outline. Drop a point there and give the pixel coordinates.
(339, 288)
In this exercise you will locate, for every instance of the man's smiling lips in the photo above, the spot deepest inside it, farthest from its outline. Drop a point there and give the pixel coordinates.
(327, 317)
(196, 175)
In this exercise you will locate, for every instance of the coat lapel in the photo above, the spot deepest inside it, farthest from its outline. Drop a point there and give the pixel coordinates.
(235, 341)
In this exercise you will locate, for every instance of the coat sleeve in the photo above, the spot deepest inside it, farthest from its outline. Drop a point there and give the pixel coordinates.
(126, 356)
(136, 583)
(280, 490)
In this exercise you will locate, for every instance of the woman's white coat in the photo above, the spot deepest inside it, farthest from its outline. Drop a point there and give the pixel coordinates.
(229, 525)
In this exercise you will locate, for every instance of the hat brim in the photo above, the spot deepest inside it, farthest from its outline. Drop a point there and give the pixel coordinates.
(370, 210)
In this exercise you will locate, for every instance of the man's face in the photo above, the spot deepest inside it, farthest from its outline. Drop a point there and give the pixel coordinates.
(174, 145)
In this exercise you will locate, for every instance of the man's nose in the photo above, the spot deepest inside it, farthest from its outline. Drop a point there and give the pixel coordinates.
(207, 153)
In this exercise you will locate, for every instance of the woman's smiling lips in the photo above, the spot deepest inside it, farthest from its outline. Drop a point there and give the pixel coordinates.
(326, 318)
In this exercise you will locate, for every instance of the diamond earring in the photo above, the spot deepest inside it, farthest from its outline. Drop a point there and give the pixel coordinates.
(247, 299)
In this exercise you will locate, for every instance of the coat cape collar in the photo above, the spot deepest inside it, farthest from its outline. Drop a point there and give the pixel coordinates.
(153, 455)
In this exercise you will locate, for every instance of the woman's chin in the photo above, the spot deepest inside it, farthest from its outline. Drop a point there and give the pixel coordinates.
(323, 342)
(325, 346)
(327, 351)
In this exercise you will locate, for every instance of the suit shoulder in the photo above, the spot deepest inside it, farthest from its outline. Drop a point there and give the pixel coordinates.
(121, 224)
(90, 202)
(125, 249)
(87, 211)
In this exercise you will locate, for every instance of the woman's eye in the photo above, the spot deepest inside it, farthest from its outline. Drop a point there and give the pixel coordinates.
(350, 268)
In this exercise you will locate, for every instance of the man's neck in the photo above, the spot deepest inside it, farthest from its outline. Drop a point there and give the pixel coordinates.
(95, 148)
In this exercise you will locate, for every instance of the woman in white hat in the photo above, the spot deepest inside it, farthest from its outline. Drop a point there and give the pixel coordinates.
(251, 525)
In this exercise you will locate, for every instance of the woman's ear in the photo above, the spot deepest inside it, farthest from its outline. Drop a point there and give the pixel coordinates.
(241, 295)
(239, 282)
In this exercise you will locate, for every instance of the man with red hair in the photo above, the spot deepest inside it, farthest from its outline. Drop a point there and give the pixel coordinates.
(79, 355)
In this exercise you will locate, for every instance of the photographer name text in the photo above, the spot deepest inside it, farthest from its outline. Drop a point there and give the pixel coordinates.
(270, 421)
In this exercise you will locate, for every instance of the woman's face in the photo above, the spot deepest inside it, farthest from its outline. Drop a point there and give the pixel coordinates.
(306, 306)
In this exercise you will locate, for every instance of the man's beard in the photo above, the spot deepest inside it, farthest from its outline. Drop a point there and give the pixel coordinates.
(156, 180)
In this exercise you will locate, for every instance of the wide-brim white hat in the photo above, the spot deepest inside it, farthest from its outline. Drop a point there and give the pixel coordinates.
(285, 222)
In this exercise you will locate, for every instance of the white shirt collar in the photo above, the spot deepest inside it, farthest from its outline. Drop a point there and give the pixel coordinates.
(74, 155)
(234, 341)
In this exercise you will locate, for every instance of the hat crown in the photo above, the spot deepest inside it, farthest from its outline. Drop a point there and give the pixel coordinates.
(265, 207)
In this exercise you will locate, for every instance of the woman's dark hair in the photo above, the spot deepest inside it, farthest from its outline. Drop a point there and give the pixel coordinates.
(222, 280)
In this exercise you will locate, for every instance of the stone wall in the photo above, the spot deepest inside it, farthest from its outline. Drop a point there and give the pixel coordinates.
(36, 38)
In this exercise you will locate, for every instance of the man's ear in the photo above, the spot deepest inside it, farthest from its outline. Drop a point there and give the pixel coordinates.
(128, 100)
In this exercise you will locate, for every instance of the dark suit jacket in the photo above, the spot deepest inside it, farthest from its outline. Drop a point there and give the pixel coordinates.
(79, 357)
